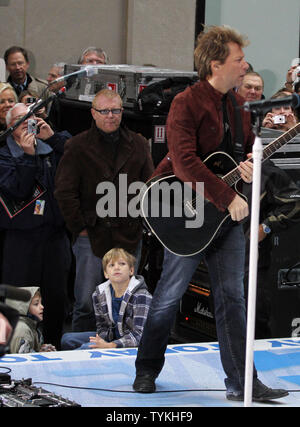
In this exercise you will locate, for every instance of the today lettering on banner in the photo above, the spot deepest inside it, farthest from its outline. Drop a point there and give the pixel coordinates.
(78, 355)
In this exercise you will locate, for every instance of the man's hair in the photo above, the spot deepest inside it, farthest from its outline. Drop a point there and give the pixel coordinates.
(108, 93)
(8, 115)
(61, 67)
(212, 45)
(254, 73)
(98, 50)
(115, 254)
(281, 93)
(15, 49)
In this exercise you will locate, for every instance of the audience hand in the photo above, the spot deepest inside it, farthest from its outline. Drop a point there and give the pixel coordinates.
(27, 142)
(45, 130)
(47, 347)
(98, 342)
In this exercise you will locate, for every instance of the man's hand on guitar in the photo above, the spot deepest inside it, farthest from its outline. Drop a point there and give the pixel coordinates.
(238, 209)
(246, 170)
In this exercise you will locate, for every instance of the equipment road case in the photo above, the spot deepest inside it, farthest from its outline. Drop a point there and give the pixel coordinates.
(127, 80)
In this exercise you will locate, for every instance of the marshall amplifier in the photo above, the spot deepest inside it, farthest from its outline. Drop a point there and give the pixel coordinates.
(283, 276)
(196, 314)
(195, 320)
(284, 283)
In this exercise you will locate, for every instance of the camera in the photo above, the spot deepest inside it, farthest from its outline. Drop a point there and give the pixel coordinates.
(30, 100)
(279, 119)
(32, 126)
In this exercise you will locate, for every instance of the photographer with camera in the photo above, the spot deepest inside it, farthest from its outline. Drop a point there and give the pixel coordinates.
(28, 98)
(36, 248)
(281, 118)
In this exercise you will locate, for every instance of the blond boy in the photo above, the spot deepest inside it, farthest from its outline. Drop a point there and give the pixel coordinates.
(121, 306)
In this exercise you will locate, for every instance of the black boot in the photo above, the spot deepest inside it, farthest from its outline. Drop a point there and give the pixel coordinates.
(144, 383)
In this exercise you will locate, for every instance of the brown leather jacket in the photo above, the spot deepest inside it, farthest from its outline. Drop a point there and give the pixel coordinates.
(88, 161)
(194, 130)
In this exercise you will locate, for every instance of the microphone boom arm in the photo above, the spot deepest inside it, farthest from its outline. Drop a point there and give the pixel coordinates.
(37, 106)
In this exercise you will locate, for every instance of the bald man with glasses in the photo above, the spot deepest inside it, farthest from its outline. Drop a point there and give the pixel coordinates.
(106, 154)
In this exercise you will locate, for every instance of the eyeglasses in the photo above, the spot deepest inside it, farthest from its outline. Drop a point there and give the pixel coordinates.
(107, 111)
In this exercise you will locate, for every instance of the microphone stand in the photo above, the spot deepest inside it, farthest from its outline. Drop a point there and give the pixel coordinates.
(35, 107)
(68, 79)
(253, 259)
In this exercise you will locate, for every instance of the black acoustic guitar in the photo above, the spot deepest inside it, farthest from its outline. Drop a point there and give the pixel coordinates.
(182, 219)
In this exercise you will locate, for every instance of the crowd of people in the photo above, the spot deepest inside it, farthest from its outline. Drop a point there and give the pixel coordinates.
(49, 190)
(48, 212)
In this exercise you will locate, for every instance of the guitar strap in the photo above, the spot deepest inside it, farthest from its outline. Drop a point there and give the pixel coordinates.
(238, 144)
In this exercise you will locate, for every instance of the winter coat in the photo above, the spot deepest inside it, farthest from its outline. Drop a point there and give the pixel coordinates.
(35, 85)
(27, 337)
(194, 130)
(132, 316)
(19, 173)
(88, 160)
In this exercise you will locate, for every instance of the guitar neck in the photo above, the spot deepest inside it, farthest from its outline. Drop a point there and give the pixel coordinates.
(234, 176)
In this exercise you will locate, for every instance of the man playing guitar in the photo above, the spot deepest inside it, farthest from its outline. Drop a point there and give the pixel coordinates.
(203, 120)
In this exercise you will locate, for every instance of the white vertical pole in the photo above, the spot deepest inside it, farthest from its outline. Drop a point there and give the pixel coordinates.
(256, 184)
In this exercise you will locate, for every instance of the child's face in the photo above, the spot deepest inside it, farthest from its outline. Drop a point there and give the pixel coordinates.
(118, 271)
(36, 308)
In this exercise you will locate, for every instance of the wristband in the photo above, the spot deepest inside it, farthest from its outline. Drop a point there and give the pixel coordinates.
(266, 228)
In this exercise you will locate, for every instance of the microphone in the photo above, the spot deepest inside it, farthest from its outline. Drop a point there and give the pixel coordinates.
(89, 71)
(13, 292)
(265, 104)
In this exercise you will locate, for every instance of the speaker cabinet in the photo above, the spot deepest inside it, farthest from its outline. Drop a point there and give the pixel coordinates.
(284, 283)
(195, 320)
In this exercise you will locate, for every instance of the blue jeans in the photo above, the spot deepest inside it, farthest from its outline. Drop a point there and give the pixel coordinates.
(89, 274)
(76, 340)
(225, 259)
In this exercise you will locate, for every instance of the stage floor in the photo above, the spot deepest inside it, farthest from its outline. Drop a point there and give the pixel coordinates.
(192, 376)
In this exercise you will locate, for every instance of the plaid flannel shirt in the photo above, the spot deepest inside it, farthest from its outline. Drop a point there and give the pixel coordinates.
(132, 316)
